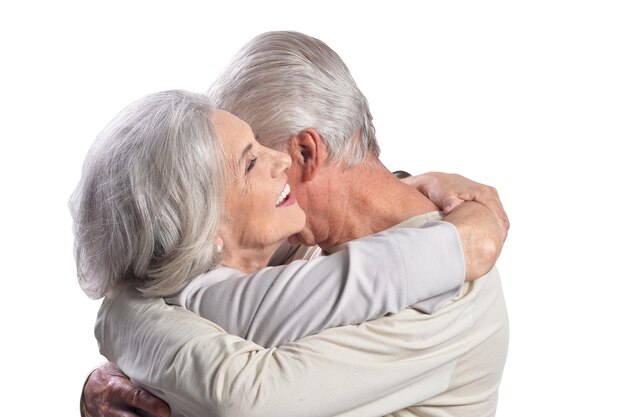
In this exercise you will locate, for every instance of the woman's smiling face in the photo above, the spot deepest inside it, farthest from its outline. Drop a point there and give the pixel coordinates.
(259, 209)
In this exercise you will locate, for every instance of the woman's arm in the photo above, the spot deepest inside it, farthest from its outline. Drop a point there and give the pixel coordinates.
(448, 191)
(366, 279)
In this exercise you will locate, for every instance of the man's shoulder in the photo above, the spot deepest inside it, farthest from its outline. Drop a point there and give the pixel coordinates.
(474, 300)
(420, 220)
(287, 253)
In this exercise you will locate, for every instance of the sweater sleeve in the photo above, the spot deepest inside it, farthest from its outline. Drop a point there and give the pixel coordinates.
(368, 278)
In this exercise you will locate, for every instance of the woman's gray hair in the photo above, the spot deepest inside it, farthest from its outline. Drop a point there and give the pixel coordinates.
(148, 204)
(284, 82)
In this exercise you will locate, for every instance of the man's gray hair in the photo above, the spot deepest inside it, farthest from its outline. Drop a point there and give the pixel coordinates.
(283, 82)
(148, 204)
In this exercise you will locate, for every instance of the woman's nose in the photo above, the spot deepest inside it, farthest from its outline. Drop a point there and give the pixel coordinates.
(282, 162)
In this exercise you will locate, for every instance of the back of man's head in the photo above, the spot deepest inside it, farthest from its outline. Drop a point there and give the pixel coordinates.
(284, 82)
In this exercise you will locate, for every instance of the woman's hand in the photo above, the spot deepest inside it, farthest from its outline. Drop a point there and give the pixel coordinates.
(448, 191)
(110, 393)
(482, 237)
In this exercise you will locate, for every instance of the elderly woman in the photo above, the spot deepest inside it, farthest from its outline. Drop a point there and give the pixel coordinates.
(179, 201)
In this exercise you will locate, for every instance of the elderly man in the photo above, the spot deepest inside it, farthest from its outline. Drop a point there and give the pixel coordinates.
(298, 96)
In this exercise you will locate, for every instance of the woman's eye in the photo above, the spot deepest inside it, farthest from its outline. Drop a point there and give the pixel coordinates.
(250, 164)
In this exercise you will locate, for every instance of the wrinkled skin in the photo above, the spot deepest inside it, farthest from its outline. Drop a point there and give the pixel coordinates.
(449, 190)
(109, 393)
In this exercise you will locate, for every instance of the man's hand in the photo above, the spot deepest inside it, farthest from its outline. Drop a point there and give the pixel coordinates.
(109, 393)
(449, 190)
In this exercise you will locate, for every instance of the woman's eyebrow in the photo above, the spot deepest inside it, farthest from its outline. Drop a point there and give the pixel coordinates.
(245, 151)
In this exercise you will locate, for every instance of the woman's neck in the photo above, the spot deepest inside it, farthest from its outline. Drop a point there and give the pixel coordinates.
(247, 259)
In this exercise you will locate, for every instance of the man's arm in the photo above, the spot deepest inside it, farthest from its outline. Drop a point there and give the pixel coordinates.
(378, 366)
(112, 394)
(243, 379)
(441, 197)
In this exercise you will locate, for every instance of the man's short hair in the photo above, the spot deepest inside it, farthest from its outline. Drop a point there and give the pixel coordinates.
(284, 82)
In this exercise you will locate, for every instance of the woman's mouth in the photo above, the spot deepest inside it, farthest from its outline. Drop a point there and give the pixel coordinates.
(285, 197)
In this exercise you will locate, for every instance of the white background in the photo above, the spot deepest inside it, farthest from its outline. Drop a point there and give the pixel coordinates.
(528, 96)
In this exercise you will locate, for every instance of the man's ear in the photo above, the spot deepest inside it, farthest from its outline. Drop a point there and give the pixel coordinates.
(308, 151)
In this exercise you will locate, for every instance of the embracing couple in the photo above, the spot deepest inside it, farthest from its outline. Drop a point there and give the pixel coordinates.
(257, 258)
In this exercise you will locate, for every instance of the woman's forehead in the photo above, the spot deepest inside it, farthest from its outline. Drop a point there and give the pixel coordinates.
(233, 132)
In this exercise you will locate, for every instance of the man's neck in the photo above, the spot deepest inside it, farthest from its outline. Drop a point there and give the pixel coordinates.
(368, 199)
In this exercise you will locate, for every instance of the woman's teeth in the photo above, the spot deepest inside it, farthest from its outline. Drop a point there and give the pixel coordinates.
(283, 195)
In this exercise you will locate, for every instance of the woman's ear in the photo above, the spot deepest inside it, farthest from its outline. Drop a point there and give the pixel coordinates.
(218, 245)
(308, 151)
